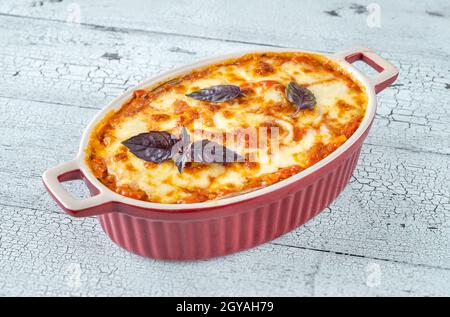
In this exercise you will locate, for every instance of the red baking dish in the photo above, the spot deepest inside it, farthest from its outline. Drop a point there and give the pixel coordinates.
(214, 228)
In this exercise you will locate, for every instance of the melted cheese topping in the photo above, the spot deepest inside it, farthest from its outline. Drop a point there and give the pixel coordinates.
(258, 125)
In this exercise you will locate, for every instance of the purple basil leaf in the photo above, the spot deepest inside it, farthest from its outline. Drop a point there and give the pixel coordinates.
(153, 146)
(301, 96)
(206, 151)
(217, 93)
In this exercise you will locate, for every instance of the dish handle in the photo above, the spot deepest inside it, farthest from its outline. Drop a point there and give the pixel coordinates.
(387, 73)
(53, 178)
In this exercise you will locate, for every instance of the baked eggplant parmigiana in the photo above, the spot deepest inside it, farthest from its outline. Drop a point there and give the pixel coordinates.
(275, 137)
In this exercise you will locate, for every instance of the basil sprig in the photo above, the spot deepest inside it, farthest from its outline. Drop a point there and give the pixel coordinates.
(159, 146)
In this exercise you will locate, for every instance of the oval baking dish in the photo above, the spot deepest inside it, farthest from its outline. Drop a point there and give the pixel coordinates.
(218, 227)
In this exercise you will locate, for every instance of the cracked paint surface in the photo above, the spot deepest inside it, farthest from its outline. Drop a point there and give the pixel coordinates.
(388, 233)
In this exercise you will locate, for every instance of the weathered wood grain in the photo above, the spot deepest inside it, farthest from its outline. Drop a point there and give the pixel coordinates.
(405, 27)
(56, 255)
(396, 207)
(59, 63)
(387, 234)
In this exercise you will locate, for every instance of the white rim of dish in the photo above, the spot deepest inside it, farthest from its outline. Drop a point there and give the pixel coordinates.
(110, 196)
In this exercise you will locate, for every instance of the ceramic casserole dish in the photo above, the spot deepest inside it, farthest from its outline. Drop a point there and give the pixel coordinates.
(218, 227)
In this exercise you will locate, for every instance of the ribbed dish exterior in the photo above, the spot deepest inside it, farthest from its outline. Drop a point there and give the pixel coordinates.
(216, 236)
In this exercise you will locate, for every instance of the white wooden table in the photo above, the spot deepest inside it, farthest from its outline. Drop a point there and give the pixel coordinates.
(387, 234)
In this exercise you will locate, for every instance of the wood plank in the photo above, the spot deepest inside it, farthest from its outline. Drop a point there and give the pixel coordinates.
(308, 24)
(387, 234)
(63, 64)
(396, 207)
(55, 255)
